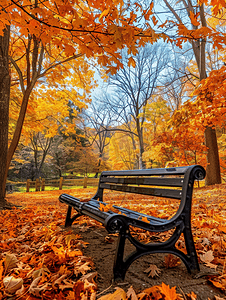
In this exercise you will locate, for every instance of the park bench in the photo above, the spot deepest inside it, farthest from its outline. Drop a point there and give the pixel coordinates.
(171, 183)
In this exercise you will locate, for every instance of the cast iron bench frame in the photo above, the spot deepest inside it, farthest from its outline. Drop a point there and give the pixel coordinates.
(175, 183)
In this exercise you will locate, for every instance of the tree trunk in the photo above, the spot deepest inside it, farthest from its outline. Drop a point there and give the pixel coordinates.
(4, 109)
(213, 167)
(213, 175)
(17, 132)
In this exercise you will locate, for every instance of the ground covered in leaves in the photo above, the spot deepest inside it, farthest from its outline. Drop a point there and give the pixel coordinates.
(39, 259)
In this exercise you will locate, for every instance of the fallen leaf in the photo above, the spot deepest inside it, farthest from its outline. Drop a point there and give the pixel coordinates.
(171, 261)
(169, 293)
(192, 296)
(207, 257)
(36, 290)
(12, 284)
(131, 294)
(119, 294)
(10, 262)
(212, 266)
(82, 269)
(153, 292)
(59, 280)
(153, 271)
(89, 276)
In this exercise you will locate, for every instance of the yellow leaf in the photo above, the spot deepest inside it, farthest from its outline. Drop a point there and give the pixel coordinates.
(104, 13)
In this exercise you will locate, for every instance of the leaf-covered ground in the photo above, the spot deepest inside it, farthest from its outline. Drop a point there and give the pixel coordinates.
(39, 259)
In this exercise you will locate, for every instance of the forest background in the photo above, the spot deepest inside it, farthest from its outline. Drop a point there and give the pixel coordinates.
(117, 85)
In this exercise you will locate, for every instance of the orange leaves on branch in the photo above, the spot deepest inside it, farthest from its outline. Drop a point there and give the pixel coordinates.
(93, 28)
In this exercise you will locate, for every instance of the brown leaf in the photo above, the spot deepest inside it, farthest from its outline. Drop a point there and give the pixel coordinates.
(10, 262)
(59, 280)
(207, 257)
(82, 269)
(40, 272)
(89, 276)
(36, 290)
(20, 291)
(153, 271)
(12, 284)
(131, 294)
(171, 261)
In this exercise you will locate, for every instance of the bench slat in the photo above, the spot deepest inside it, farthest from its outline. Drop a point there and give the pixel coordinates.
(156, 181)
(147, 172)
(167, 193)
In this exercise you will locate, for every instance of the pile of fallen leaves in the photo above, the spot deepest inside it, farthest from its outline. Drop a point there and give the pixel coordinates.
(40, 259)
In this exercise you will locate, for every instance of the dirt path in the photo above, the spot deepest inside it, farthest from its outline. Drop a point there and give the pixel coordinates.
(102, 253)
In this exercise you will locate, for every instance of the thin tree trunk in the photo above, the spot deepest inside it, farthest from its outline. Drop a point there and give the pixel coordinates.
(17, 133)
(4, 109)
(213, 175)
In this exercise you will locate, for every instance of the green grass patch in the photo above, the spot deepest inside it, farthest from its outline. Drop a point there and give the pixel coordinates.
(52, 188)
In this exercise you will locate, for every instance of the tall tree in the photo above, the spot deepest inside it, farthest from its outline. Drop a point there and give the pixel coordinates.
(135, 84)
(190, 24)
(98, 124)
(4, 107)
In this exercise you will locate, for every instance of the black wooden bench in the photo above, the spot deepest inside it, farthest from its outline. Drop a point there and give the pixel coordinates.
(174, 183)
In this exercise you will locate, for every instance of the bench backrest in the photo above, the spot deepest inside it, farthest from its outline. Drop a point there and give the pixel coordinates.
(173, 183)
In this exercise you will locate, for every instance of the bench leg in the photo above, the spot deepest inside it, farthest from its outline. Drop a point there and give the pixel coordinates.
(121, 265)
(69, 220)
(191, 251)
(120, 268)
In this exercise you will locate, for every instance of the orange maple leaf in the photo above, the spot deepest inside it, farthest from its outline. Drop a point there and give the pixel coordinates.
(169, 293)
(145, 219)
